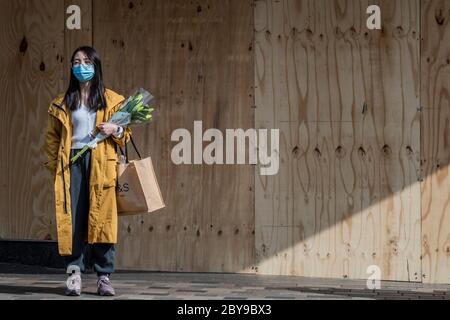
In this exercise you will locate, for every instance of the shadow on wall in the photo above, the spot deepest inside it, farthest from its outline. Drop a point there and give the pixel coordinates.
(364, 142)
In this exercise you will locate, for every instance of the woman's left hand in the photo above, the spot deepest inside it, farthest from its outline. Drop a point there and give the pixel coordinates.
(107, 129)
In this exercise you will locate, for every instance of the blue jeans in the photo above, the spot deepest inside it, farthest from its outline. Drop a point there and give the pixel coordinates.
(100, 256)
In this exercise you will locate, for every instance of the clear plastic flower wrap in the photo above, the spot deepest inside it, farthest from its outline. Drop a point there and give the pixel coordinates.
(137, 109)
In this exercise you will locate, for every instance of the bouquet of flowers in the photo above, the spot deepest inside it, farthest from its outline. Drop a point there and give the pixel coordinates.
(136, 109)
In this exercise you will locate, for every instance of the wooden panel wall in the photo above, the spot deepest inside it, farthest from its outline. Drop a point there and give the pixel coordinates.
(74, 39)
(345, 99)
(196, 58)
(354, 143)
(435, 144)
(32, 42)
(36, 67)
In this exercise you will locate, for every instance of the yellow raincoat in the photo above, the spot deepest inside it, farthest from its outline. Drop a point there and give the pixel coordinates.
(102, 225)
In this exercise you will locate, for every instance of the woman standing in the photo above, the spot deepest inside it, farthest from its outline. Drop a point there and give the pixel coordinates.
(85, 192)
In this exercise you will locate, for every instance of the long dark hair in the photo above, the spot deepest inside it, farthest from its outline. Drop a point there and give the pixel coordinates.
(96, 98)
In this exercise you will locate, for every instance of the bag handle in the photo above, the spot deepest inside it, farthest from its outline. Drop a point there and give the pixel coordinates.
(126, 150)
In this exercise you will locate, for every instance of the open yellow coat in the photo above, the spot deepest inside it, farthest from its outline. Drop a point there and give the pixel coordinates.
(102, 225)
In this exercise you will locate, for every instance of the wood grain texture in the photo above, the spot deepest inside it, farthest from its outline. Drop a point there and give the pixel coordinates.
(195, 58)
(435, 133)
(345, 99)
(74, 39)
(354, 143)
(32, 41)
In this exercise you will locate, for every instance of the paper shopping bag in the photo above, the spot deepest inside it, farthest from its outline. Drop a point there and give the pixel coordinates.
(138, 190)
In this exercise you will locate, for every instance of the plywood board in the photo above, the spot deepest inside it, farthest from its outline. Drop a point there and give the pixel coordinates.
(435, 142)
(195, 58)
(345, 99)
(32, 41)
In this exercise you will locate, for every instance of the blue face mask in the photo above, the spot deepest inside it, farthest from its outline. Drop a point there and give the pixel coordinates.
(84, 73)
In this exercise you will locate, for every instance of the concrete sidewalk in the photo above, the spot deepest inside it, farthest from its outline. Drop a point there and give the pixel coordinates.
(18, 282)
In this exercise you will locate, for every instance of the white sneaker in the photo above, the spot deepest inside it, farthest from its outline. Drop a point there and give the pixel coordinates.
(73, 284)
(104, 287)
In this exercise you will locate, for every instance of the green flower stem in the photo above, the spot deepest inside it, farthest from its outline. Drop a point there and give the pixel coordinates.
(79, 154)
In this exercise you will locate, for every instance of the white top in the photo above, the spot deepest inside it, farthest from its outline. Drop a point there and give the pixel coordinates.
(83, 123)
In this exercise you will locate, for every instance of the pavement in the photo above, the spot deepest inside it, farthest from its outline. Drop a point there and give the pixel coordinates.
(20, 282)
